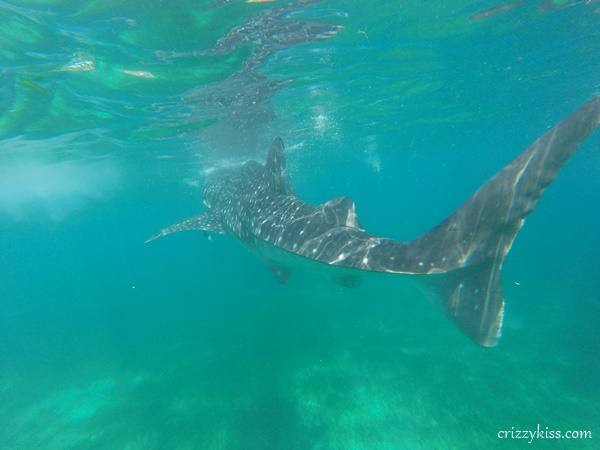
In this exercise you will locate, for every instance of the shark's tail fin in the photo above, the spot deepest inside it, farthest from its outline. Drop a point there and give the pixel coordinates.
(474, 240)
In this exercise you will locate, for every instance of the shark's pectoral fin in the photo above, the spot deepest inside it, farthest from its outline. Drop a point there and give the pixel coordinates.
(343, 212)
(281, 272)
(206, 222)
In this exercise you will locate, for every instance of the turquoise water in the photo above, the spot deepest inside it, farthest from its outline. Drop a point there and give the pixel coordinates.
(111, 114)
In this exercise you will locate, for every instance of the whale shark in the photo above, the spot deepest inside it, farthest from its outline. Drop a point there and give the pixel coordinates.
(461, 257)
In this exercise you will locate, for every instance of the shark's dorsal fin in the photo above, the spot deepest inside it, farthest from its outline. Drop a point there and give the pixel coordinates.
(276, 160)
(207, 222)
(343, 210)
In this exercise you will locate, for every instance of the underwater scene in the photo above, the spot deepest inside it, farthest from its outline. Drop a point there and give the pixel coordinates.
(348, 177)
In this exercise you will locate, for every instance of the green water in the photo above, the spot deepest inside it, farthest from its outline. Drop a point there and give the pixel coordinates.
(111, 113)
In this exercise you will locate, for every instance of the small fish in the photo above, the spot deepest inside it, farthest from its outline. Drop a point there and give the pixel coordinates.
(495, 11)
(33, 85)
(139, 73)
(550, 5)
(78, 65)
